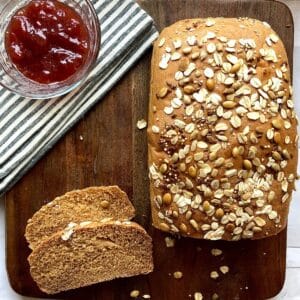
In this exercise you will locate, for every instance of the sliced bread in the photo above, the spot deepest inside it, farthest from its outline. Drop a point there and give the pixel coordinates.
(93, 203)
(89, 253)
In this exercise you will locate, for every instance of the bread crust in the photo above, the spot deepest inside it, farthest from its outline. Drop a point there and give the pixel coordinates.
(221, 170)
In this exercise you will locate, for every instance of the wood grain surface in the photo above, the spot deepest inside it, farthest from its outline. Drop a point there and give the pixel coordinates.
(106, 148)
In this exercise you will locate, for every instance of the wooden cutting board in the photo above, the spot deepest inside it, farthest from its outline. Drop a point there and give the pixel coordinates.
(106, 148)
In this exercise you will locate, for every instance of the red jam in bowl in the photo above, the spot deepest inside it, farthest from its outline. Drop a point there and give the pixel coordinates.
(47, 41)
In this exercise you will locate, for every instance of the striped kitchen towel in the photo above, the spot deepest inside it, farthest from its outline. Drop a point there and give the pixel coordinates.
(29, 128)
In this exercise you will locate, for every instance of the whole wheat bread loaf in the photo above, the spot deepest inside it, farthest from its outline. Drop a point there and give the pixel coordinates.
(93, 203)
(89, 253)
(222, 130)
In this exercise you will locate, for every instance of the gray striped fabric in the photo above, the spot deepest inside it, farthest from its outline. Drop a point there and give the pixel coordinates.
(29, 128)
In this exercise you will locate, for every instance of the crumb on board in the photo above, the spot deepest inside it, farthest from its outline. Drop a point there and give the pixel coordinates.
(214, 274)
(177, 275)
(141, 124)
(134, 293)
(224, 269)
(215, 296)
(170, 242)
(198, 296)
(216, 252)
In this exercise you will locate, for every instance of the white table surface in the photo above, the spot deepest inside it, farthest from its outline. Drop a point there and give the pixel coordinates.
(291, 290)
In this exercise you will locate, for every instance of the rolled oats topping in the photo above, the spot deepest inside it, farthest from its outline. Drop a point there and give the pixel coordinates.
(225, 132)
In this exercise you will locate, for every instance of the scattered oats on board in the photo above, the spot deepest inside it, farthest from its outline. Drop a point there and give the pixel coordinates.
(81, 137)
(177, 275)
(134, 293)
(214, 274)
(216, 252)
(224, 269)
(146, 296)
(141, 124)
(170, 242)
(215, 296)
(198, 296)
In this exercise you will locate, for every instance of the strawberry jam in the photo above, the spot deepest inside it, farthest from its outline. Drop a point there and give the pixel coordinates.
(47, 41)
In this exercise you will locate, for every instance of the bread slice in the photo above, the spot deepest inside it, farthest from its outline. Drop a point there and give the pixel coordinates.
(93, 203)
(89, 253)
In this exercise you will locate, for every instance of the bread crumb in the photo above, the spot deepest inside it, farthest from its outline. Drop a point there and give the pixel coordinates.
(141, 124)
(216, 252)
(214, 274)
(146, 296)
(224, 269)
(169, 242)
(81, 137)
(215, 296)
(177, 275)
(134, 293)
(198, 296)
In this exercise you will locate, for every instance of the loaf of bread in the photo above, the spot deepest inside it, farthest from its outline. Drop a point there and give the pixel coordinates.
(222, 130)
(93, 203)
(89, 253)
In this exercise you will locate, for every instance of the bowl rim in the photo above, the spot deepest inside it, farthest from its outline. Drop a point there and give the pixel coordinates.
(77, 79)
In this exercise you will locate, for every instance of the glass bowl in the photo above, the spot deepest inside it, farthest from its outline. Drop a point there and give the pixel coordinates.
(15, 81)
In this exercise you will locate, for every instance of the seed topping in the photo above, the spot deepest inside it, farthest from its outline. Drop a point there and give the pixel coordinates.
(224, 130)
